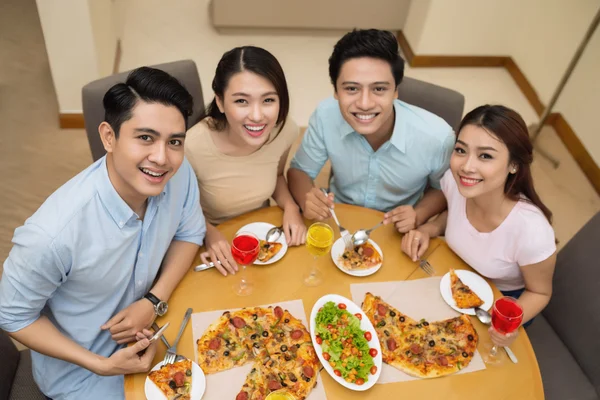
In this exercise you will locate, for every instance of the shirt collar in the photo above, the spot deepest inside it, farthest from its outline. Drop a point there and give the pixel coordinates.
(114, 204)
(398, 138)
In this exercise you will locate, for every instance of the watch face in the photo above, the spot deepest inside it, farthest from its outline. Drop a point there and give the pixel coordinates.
(161, 308)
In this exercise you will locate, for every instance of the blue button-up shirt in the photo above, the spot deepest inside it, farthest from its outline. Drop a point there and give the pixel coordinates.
(83, 257)
(417, 153)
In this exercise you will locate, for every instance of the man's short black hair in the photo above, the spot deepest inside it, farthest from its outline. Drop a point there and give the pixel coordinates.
(147, 84)
(373, 43)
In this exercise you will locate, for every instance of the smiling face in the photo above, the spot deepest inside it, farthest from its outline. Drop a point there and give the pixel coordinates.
(480, 163)
(147, 153)
(365, 90)
(251, 105)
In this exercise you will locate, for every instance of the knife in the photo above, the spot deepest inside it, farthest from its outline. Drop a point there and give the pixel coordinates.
(203, 267)
(511, 355)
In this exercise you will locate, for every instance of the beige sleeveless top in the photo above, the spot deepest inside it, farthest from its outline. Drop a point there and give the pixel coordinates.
(230, 186)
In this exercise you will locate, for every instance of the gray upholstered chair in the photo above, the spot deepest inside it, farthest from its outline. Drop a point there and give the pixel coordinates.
(93, 93)
(16, 379)
(565, 335)
(446, 103)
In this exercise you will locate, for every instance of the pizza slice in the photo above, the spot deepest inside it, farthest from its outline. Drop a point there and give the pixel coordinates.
(174, 380)
(360, 257)
(462, 294)
(268, 250)
(285, 332)
(221, 347)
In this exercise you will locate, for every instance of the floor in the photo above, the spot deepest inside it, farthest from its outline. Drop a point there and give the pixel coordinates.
(37, 157)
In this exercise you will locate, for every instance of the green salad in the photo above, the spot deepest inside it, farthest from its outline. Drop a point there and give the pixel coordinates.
(345, 346)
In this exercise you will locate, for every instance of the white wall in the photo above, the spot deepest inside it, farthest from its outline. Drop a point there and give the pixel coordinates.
(540, 35)
(80, 41)
(580, 100)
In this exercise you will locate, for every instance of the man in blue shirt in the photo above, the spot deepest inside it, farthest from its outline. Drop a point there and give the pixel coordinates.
(91, 269)
(384, 153)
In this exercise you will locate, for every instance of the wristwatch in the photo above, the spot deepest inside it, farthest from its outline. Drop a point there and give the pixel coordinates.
(160, 307)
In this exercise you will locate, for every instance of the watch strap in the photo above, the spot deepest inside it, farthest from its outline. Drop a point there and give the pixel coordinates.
(153, 299)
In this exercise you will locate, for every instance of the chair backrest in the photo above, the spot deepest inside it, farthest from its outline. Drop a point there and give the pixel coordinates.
(446, 103)
(8, 364)
(93, 93)
(574, 309)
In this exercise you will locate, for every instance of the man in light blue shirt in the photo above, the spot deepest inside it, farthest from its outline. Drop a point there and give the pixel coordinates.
(91, 269)
(384, 153)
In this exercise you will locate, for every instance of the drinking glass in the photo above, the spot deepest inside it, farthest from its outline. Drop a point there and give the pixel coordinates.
(319, 239)
(244, 249)
(507, 316)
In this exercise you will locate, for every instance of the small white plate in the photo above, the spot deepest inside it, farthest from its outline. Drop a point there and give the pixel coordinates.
(198, 384)
(338, 249)
(365, 325)
(260, 229)
(477, 285)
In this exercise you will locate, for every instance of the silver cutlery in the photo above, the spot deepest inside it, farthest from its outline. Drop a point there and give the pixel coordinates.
(362, 235)
(346, 237)
(172, 351)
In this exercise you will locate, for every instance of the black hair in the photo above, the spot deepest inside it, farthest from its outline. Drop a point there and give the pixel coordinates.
(372, 43)
(147, 84)
(255, 60)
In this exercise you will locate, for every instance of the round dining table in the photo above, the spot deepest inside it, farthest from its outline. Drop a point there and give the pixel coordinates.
(282, 281)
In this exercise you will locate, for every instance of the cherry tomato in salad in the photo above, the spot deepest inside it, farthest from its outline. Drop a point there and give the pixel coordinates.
(358, 315)
(329, 326)
(319, 340)
(326, 356)
(368, 336)
(372, 352)
(337, 372)
(342, 306)
(360, 381)
(373, 370)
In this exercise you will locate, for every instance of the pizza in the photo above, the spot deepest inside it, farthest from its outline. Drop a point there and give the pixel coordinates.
(421, 348)
(268, 250)
(275, 341)
(462, 294)
(174, 380)
(360, 257)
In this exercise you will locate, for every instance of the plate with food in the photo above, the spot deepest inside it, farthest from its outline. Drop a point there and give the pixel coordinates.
(270, 252)
(183, 380)
(464, 290)
(345, 342)
(363, 260)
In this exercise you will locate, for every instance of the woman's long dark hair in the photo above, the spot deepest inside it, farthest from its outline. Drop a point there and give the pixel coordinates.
(510, 128)
(253, 59)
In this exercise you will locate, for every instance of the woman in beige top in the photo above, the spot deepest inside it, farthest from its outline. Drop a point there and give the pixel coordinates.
(240, 148)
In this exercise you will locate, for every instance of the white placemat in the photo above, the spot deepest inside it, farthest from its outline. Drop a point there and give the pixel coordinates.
(227, 384)
(420, 298)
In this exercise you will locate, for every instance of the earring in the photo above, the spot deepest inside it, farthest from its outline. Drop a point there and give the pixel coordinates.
(514, 171)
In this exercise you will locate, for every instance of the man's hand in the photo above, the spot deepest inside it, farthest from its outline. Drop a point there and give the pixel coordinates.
(500, 339)
(415, 244)
(219, 249)
(128, 322)
(127, 360)
(317, 205)
(403, 217)
(293, 226)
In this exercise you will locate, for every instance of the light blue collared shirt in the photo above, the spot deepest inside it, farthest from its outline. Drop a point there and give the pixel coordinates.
(83, 257)
(396, 174)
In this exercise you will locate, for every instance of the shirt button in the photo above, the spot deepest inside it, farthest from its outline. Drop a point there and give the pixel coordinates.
(140, 283)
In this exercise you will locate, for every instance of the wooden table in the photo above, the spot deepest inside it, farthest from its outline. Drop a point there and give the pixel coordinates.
(209, 290)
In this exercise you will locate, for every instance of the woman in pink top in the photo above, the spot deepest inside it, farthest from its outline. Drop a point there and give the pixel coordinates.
(495, 220)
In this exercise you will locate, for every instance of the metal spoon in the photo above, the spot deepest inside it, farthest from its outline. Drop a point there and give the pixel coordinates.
(362, 235)
(178, 357)
(486, 319)
(274, 233)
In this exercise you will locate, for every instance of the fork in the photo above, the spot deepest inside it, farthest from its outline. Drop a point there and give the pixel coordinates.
(346, 237)
(172, 351)
(424, 264)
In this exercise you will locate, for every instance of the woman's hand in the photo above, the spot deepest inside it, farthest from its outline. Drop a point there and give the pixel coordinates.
(293, 226)
(500, 339)
(415, 243)
(218, 249)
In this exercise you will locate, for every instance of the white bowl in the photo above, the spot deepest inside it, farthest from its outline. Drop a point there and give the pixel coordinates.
(365, 325)
(338, 249)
